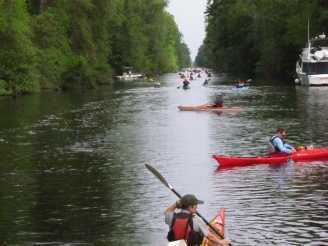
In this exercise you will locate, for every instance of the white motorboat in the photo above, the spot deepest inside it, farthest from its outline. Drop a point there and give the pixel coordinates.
(129, 75)
(312, 67)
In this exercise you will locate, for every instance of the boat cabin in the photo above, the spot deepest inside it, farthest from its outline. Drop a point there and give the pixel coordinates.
(312, 67)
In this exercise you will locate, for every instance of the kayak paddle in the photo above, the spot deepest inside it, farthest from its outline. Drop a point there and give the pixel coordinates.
(162, 179)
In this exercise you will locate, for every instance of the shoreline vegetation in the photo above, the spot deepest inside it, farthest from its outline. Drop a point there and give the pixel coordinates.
(260, 38)
(68, 44)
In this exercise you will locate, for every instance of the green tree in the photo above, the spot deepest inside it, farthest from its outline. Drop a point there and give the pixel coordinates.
(64, 44)
(262, 37)
(18, 73)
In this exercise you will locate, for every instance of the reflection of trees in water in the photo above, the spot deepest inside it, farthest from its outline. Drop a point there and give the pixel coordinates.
(311, 104)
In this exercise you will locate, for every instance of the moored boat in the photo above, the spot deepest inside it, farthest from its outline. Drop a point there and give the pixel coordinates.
(218, 223)
(128, 75)
(312, 66)
(299, 155)
(209, 108)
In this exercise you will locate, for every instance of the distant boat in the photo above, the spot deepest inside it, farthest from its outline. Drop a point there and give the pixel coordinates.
(129, 75)
(312, 66)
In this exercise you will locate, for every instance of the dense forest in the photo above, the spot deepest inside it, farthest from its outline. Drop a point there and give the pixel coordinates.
(63, 44)
(259, 37)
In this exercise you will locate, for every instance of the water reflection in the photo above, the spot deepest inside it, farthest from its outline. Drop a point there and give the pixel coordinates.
(72, 164)
(281, 174)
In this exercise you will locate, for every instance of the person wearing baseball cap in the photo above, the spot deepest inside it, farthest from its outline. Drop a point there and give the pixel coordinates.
(178, 222)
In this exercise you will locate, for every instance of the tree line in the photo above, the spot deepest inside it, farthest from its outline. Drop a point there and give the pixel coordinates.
(63, 44)
(259, 37)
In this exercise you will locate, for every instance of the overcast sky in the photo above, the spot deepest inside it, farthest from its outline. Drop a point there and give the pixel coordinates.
(189, 16)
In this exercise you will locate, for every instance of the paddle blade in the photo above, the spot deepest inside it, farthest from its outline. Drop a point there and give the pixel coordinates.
(158, 175)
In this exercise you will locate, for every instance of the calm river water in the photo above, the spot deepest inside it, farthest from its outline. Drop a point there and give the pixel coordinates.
(72, 165)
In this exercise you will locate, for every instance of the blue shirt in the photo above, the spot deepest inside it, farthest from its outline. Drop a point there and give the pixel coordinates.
(277, 142)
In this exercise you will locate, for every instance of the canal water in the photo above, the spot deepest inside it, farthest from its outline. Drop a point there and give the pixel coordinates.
(72, 164)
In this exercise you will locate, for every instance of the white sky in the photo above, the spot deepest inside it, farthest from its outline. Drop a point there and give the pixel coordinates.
(189, 16)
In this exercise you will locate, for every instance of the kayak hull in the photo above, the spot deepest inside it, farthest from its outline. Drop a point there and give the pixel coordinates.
(186, 87)
(241, 88)
(218, 223)
(300, 155)
(209, 108)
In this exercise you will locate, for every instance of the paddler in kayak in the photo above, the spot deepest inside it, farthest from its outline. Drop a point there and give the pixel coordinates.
(185, 83)
(277, 146)
(240, 84)
(178, 223)
(218, 103)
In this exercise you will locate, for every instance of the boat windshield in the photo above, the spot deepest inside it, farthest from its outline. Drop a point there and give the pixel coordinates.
(315, 68)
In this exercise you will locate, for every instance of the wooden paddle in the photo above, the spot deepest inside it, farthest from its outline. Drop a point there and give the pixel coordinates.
(161, 178)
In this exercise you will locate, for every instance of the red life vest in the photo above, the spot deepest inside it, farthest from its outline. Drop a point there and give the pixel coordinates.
(180, 227)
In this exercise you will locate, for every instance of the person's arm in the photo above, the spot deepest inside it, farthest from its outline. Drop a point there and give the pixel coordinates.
(215, 240)
(290, 147)
(200, 226)
(172, 208)
(278, 143)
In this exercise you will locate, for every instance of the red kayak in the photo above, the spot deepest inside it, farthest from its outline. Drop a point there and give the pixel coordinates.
(299, 155)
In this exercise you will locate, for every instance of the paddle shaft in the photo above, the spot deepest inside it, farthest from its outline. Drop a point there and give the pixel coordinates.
(161, 178)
